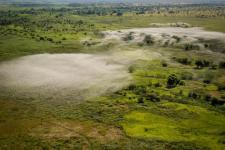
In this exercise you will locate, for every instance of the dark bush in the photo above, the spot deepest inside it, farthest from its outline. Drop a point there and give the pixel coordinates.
(172, 81)
(182, 83)
(207, 81)
(193, 95)
(153, 97)
(208, 97)
(223, 96)
(164, 64)
(221, 87)
(141, 90)
(184, 61)
(131, 69)
(140, 44)
(50, 39)
(215, 101)
(202, 63)
(42, 38)
(128, 37)
(119, 14)
(132, 87)
(199, 64)
(140, 100)
(206, 45)
(222, 64)
(148, 40)
(213, 66)
(178, 39)
(181, 92)
(157, 84)
(188, 47)
(58, 42)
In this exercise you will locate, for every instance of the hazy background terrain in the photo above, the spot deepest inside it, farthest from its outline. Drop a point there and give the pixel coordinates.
(117, 1)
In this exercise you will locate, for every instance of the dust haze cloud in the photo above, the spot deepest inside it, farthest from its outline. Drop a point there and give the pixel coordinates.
(62, 75)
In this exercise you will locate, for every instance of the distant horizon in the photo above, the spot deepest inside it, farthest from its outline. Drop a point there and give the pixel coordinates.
(165, 2)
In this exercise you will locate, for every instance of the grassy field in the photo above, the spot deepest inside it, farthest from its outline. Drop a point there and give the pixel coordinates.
(149, 113)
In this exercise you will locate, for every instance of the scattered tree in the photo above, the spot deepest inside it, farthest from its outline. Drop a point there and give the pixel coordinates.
(172, 81)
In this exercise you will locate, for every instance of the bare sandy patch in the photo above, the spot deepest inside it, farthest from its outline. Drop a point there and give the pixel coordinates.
(83, 130)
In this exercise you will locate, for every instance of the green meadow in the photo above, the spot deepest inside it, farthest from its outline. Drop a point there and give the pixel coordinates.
(174, 100)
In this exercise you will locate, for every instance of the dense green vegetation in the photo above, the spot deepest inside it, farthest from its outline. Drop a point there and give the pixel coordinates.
(176, 101)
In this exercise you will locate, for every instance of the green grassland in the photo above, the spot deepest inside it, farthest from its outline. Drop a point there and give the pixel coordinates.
(61, 30)
(147, 114)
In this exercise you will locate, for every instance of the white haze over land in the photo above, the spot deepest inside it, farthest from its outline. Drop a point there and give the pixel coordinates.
(69, 76)
(62, 74)
(79, 76)
(159, 33)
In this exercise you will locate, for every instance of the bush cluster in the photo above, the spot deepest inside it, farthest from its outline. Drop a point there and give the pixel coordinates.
(172, 81)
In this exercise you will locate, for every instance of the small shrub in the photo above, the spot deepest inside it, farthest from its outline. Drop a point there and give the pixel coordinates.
(119, 14)
(221, 87)
(132, 87)
(208, 97)
(193, 95)
(213, 66)
(140, 100)
(188, 47)
(207, 81)
(184, 61)
(131, 69)
(164, 64)
(42, 38)
(206, 45)
(87, 43)
(215, 101)
(178, 39)
(128, 37)
(157, 84)
(140, 44)
(222, 64)
(50, 39)
(148, 40)
(202, 63)
(182, 83)
(172, 81)
(181, 92)
(141, 90)
(223, 96)
(153, 97)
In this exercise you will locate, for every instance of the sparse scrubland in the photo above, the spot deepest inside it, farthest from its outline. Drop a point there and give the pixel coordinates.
(84, 76)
